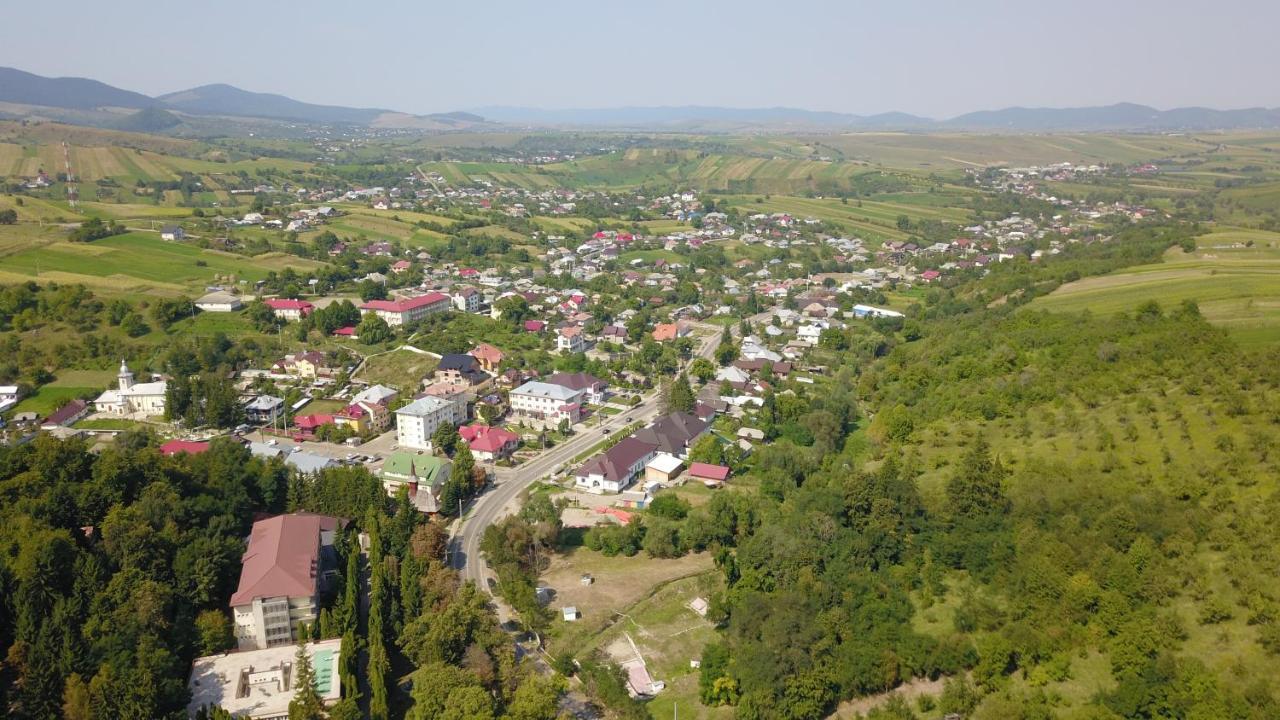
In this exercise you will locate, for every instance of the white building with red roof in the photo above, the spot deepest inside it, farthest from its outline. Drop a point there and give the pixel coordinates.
(489, 443)
(408, 310)
(288, 309)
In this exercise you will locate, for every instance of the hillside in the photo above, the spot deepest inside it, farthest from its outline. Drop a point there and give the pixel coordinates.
(25, 88)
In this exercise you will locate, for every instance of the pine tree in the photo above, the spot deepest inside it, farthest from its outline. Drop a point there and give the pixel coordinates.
(306, 703)
(680, 397)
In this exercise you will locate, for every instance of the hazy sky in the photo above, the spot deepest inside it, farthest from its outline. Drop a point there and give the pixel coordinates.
(937, 58)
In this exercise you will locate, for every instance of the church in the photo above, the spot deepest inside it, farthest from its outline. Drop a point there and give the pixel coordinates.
(132, 398)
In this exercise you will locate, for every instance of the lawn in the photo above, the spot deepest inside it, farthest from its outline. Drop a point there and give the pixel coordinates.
(400, 369)
(322, 407)
(51, 397)
(1236, 287)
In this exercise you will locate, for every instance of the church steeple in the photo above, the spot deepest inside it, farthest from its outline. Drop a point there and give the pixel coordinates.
(125, 376)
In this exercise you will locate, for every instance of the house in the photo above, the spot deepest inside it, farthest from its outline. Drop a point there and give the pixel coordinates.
(132, 398)
(673, 434)
(172, 233)
(72, 411)
(570, 613)
(614, 469)
(460, 369)
(368, 411)
(663, 468)
(260, 684)
(287, 309)
(570, 339)
(219, 301)
(264, 409)
(306, 426)
(663, 332)
(591, 388)
(305, 365)
(286, 567)
(489, 443)
(424, 475)
(403, 312)
(488, 356)
(400, 266)
(417, 421)
(467, 300)
(546, 402)
(710, 475)
(534, 326)
(183, 447)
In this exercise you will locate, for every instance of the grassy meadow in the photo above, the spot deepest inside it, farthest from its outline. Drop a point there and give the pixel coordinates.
(1235, 285)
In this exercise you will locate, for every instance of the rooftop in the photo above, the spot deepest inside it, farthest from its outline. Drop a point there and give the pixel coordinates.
(282, 558)
(545, 390)
(405, 305)
(423, 406)
(259, 683)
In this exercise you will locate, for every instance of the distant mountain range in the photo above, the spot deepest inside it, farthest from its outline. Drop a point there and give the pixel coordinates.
(89, 102)
(1121, 116)
(83, 101)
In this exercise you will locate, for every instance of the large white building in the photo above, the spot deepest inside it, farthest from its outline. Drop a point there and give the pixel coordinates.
(546, 402)
(284, 570)
(417, 421)
(410, 310)
(132, 398)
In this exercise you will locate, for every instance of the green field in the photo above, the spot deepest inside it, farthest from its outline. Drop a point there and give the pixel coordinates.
(1235, 286)
(400, 369)
(50, 397)
(139, 261)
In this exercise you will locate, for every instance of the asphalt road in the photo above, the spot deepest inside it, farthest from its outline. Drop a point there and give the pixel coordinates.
(502, 499)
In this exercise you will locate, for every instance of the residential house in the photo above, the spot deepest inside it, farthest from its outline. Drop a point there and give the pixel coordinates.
(591, 388)
(545, 402)
(613, 470)
(72, 411)
(264, 409)
(662, 332)
(172, 233)
(488, 356)
(405, 311)
(287, 565)
(306, 365)
(417, 421)
(460, 369)
(287, 309)
(467, 299)
(570, 339)
(674, 434)
(489, 443)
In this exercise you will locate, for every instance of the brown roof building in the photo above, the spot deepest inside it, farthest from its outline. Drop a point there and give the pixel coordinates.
(283, 571)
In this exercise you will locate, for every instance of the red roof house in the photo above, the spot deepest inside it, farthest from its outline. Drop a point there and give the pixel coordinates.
(709, 474)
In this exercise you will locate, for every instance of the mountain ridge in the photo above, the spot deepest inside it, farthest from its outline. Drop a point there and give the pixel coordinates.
(21, 91)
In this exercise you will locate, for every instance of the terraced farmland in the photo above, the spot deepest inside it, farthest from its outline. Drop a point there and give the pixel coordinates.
(1236, 287)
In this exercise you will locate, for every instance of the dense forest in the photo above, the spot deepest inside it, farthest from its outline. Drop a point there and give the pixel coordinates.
(117, 567)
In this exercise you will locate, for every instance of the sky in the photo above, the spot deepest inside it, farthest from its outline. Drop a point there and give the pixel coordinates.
(936, 58)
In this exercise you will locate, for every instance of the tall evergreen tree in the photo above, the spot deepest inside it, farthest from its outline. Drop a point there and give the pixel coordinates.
(306, 703)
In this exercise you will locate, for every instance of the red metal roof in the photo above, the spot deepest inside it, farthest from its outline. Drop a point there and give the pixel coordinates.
(405, 305)
(283, 557)
(285, 304)
(191, 447)
(709, 471)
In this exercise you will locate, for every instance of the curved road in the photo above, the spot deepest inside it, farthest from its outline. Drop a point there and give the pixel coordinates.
(503, 498)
